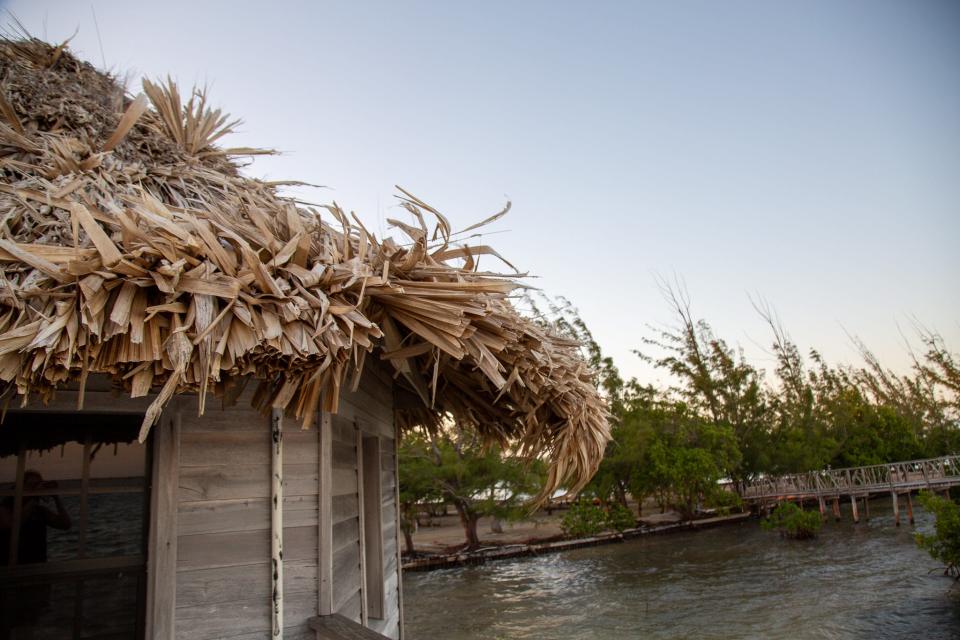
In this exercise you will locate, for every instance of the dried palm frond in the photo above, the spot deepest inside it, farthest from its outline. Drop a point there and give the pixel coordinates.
(193, 126)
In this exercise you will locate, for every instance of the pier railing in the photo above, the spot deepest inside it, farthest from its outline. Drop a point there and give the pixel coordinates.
(933, 473)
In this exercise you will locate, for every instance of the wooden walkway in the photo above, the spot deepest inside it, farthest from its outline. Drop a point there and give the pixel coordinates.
(895, 478)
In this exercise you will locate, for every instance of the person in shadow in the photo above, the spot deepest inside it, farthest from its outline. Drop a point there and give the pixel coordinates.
(34, 520)
(23, 606)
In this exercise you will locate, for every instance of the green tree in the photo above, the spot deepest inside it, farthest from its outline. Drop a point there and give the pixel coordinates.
(583, 519)
(928, 398)
(715, 382)
(688, 457)
(417, 482)
(791, 521)
(619, 518)
(477, 480)
(622, 470)
(944, 543)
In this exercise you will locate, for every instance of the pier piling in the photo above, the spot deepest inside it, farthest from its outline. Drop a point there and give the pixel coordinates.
(910, 507)
(896, 508)
(853, 505)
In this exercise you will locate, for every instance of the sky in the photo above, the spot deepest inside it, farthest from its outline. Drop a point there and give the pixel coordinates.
(806, 154)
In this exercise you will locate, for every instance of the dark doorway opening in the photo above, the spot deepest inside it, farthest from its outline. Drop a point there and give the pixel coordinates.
(74, 511)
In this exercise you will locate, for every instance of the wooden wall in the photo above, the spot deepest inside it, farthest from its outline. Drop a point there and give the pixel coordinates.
(223, 518)
(221, 583)
(370, 411)
(223, 579)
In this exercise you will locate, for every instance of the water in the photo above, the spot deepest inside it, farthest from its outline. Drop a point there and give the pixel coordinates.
(737, 581)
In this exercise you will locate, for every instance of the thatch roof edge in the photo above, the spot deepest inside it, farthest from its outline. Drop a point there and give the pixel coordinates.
(132, 246)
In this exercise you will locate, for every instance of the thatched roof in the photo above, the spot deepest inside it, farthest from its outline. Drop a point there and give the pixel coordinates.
(131, 246)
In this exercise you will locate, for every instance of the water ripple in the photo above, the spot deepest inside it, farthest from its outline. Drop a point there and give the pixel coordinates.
(863, 581)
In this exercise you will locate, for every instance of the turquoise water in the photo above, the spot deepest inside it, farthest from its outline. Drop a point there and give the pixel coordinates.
(737, 581)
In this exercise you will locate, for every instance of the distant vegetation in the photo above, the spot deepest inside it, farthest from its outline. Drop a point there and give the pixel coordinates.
(724, 418)
(721, 419)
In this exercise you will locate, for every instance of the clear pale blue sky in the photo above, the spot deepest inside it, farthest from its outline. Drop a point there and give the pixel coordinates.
(805, 152)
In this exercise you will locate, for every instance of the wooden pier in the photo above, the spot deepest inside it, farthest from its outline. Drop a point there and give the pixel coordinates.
(857, 484)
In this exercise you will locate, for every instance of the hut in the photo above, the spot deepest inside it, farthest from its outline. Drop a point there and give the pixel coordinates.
(203, 383)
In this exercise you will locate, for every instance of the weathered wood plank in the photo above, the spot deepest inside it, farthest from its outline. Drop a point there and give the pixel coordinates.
(346, 574)
(366, 418)
(201, 449)
(221, 516)
(390, 588)
(339, 627)
(344, 481)
(276, 522)
(344, 559)
(351, 608)
(344, 456)
(396, 538)
(342, 429)
(347, 584)
(242, 547)
(325, 528)
(388, 464)
(239, 481)
(360, 520)
(372, 531)
(297, 632)
(162, 558)
(346, 533)
(245, 582)
(93, 402)
(240, 417)
(226, 620)
(388, 627)
(344, 507)
(389, 511)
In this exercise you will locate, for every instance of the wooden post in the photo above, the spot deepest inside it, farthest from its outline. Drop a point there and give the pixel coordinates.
(396, 501)
(823, 507)
(325, 516)
(276, 521)
(896, 508)
(910, 507)
(836, 507)
(162, 557)
(866, 507)
(853, 505)
(364, 613)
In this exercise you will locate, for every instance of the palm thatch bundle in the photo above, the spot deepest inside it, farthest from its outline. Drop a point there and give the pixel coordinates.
(131, 246)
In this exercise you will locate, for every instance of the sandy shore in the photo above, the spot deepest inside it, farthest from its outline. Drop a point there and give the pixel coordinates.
(439, 534)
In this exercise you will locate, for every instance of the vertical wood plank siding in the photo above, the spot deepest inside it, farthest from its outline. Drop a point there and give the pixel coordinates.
(223, 580)
(224, 564)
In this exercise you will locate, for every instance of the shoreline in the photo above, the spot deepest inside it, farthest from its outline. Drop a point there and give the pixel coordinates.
(503, 552)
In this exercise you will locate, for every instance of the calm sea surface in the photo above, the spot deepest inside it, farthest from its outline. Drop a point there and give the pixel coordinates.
(737, 581)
